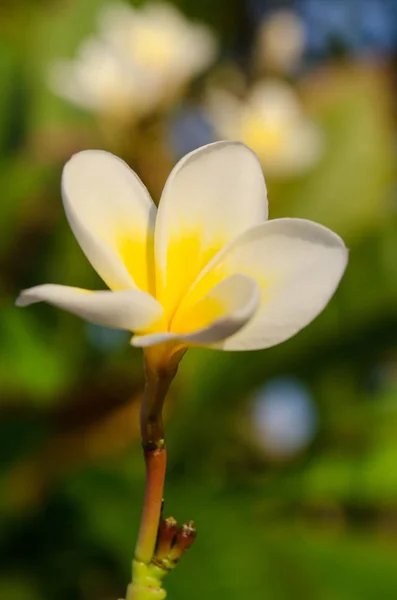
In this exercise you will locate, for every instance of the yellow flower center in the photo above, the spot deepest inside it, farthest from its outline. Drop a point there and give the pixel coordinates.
(152, 48)
(186, 257)
(265, 137)
(138, 256)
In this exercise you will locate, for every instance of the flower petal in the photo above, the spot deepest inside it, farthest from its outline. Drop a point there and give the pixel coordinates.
(112, 216)
(298, 265)
(211, 196)
(221, 313)
(128, 309)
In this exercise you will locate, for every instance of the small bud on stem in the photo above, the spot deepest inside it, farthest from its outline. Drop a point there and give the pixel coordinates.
(184, 539)
(167, 532)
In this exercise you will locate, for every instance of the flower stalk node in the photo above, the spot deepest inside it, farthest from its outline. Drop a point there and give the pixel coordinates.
(149, 447)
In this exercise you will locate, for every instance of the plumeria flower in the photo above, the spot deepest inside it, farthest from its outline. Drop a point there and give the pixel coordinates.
(207, 268)
(140, 58)
(100, 82)
(159, 39)
(271, 121)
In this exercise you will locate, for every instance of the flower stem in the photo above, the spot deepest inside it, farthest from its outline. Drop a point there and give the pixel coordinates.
(155, 454)
(148, 570)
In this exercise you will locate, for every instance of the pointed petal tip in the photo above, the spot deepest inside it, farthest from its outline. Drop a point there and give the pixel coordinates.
(126, 309)
(20, 301)
(24, 299)
(146, 340)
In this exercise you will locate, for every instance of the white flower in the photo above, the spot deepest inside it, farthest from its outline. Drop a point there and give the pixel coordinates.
(140, 59)
(208, 269)
(281, 41)
(99, 81)
(159, 40)
(271, 122)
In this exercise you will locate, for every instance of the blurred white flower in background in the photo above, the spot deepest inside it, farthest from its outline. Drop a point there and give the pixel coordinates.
(140, 59)
(272, 122)
(159, 40)
(281, 42)
(284, 417)
(99, 81)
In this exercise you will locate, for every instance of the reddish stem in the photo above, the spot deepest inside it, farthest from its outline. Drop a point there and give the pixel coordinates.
(156, 462)
(152, 431)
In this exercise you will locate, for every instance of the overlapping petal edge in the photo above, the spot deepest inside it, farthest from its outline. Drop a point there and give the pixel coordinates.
(207, 268)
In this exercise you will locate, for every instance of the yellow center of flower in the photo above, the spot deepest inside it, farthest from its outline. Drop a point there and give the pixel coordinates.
(186, 257)
(152, 48)
(199, 316)
(265, 137)
(138, 256)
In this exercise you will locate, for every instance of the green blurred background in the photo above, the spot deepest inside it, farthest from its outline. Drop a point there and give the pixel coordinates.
(286, 459)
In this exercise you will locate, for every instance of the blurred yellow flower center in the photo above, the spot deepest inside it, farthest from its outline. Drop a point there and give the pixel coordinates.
(152, 47)
(264, 137)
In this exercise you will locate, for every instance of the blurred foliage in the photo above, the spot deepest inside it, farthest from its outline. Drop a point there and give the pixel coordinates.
(320, 525)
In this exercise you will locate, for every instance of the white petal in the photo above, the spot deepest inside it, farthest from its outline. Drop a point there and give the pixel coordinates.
(129, 309)
(298, 265)
(212, 195)
(222, 312)
(112, 216)
(63, 80)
